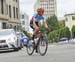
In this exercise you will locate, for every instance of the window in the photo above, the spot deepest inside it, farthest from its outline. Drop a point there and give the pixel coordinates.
(14, 12)
(22, 16)
(17, 13)
(73, 17)
(4, 25)
(6, 9)
(2, 8)
(16, 0)
(66, 19)
(9, 11)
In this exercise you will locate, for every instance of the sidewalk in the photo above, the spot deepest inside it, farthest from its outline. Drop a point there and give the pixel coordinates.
(71, 41)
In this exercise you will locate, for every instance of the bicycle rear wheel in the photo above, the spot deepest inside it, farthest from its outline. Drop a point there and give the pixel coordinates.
(43, 45)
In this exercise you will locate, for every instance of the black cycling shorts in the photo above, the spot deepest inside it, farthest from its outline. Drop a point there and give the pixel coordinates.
(32, 26)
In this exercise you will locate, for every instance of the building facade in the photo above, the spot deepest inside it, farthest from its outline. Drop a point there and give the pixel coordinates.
(9, 14)
(48, 5)
(25, 21)
(70, 20)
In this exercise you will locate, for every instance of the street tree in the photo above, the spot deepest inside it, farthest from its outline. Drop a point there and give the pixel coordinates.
(53, 22)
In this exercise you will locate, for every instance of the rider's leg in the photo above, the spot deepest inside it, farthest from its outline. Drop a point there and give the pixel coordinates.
(34, 34)
(31, 25)
(36, 47)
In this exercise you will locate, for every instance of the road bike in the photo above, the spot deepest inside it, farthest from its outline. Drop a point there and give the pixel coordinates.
(40, 43)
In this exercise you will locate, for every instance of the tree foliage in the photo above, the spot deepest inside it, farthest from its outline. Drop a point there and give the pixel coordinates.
(61, 23)
(73, 31)
(53, 22)
(57, 34)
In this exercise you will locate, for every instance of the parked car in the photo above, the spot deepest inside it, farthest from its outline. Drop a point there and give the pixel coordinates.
(22, 38)
(64, 39)
(8, 39)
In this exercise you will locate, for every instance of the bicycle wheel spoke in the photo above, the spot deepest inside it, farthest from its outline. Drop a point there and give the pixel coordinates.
(43, 43)
(42, 46)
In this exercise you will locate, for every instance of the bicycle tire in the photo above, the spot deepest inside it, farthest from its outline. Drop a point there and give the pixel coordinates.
(28, 52)
(45, 41)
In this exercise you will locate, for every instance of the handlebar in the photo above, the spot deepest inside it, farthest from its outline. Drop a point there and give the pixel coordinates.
(44, 30)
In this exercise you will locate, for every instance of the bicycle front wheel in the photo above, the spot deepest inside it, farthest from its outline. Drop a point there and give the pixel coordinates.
(30, 49)
(43, 45)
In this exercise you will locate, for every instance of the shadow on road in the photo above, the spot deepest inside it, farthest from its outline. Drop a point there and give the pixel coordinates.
(7, 51)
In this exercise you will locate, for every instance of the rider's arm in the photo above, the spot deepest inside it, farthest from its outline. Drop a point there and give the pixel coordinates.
(47, 28)
(45, 24)
(34, 20)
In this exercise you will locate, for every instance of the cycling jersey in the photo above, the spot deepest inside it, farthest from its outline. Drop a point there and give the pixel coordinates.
(36, 17)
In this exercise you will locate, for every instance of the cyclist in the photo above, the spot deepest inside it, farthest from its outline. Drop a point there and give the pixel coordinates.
(36, 18)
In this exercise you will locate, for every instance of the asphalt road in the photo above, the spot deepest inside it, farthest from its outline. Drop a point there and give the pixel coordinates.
(56, 53)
